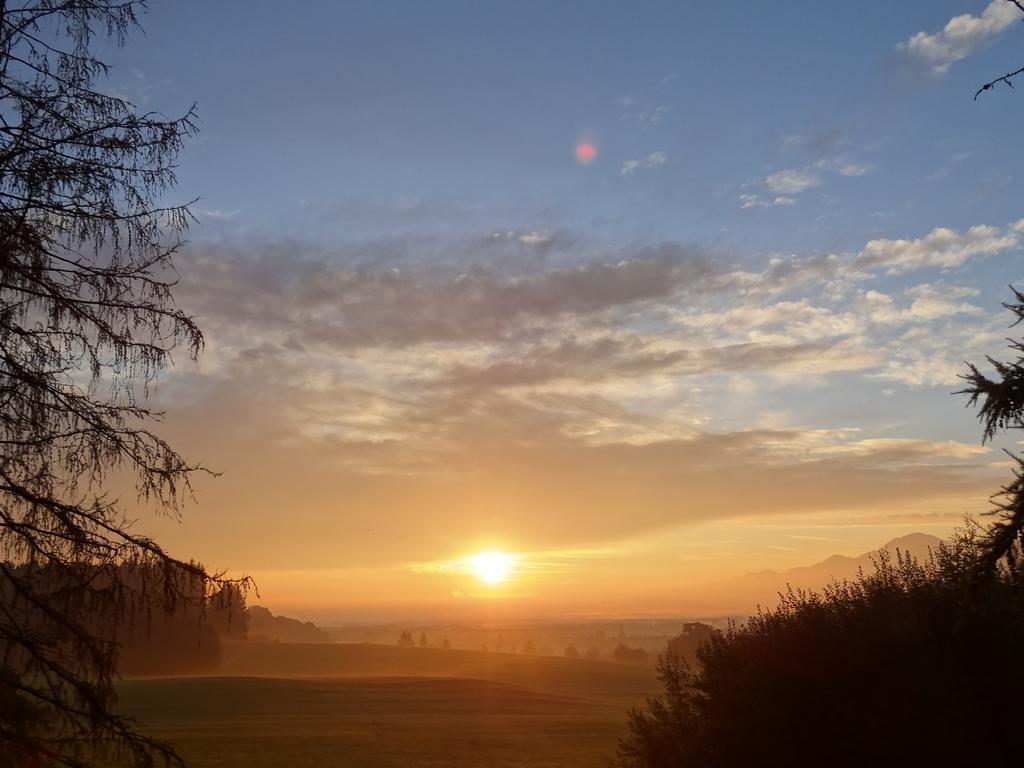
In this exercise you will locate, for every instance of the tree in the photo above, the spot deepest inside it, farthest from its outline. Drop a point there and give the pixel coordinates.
(87, 322)
(405, 639)
(423, 639)
(687, 643)
(1001, 409)
(570, 652)
(1008, 77)
(913, 664)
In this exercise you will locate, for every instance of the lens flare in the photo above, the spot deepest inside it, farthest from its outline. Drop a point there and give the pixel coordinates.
(585, 153)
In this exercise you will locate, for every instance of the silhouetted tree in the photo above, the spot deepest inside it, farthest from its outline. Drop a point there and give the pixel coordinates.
(284, 629)
(571, 652)
(445, 643)
(226, 613)
(915, 664)
(1001, 409)
(87, 322)
(687, 643)
(423, 639)
(529, 648)
(405, 640)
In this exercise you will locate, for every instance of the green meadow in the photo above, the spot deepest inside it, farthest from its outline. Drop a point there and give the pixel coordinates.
(369, 705)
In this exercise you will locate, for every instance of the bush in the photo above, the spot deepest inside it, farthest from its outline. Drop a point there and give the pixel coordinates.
(914, 664)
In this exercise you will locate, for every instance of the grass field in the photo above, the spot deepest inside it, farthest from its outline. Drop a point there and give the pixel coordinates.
(382, 706)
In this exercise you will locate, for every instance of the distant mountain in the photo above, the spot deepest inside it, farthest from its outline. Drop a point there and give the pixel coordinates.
(763, 587)
(842, 567)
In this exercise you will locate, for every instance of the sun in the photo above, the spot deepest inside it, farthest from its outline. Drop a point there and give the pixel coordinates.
(491, 567)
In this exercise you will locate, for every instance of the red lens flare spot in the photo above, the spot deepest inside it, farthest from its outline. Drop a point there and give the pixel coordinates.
(585, 152)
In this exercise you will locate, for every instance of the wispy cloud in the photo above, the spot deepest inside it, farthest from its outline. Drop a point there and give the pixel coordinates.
(646, 116)
(787, 183)
(593, 381)
(217, 214)
(749, 201)
(792, 181)
(843, 166)
(653, 160)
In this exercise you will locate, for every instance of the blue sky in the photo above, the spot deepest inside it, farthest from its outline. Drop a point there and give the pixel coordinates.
(480, 104)
(797, 226)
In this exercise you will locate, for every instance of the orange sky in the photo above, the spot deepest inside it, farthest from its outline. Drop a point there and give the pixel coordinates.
(651, 518)
(723, 338)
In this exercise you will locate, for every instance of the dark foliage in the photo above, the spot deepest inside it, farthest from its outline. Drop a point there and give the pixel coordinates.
(405, 639)
(264, 625)
(915, 665)
(1000, 403)
(186, 640)
(687, 643)
(87, 322)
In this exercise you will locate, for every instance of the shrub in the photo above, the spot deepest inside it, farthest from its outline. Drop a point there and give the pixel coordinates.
(912, 664)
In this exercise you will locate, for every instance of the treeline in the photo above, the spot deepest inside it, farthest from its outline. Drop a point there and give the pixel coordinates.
(264, 626)
(167, 637)
(185, 640)
(178, 634)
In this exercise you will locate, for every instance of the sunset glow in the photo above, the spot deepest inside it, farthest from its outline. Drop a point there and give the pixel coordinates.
(491, 567)
(520, 384)
(577, 347)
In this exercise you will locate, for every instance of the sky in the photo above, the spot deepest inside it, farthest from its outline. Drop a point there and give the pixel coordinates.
(726, 342)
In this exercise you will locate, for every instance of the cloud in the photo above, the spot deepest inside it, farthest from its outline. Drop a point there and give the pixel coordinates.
(749, 201)
(296, 290)
(647, 116)
(612, 358)
(929, 302)
(942, 247)
(653, 160)
(792, 181)
(843, 166)
(533, 238)
(563, 394)
(388, 348)
(960, 37)
(551, 471)
(541, 240)
(217, 214)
